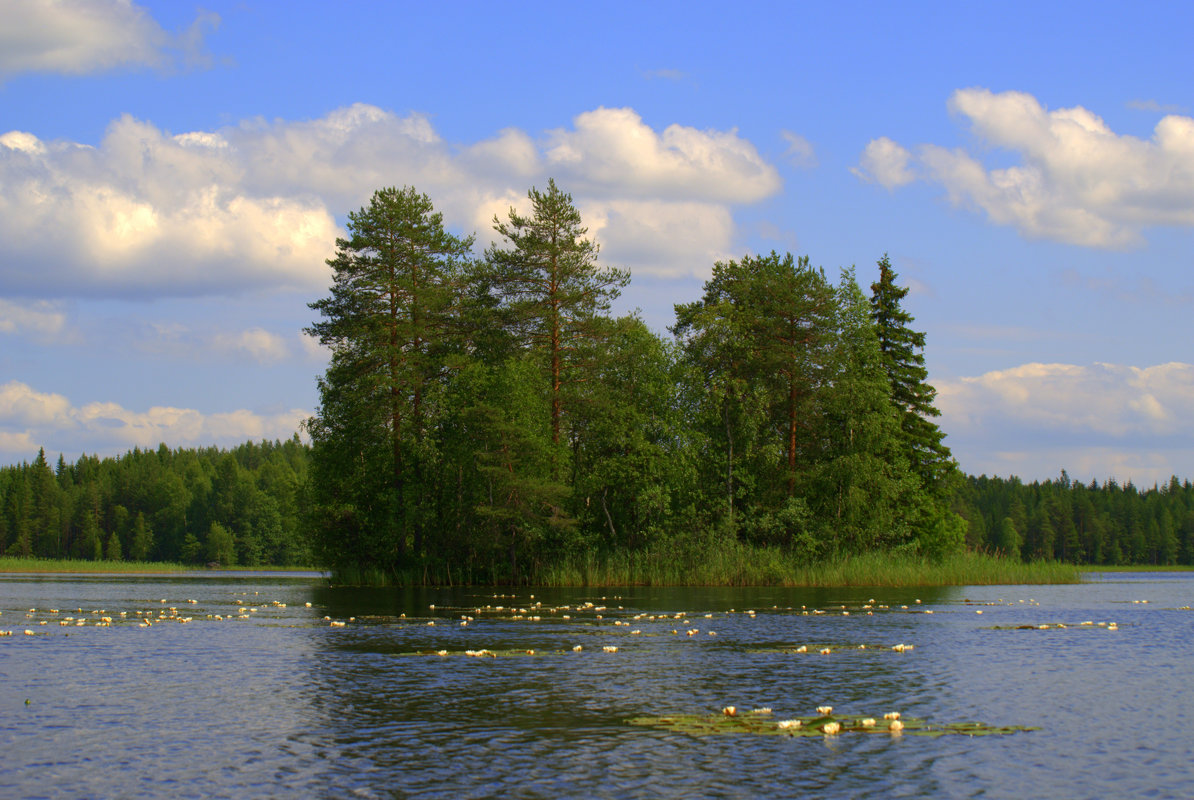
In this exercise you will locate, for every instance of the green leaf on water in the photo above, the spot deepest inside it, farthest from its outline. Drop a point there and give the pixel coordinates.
(772, 725)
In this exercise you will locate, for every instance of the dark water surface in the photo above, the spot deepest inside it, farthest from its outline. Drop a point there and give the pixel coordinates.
(281, 703)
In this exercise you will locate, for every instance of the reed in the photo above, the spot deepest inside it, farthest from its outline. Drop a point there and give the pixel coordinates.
(755, 566)
(67, 565)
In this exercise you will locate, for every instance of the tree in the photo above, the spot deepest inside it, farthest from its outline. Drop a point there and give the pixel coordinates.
(904, 363)
(142, 539)
(386, 322)
(760, 342)
(547, 278)
(221, 548)
(866, 495)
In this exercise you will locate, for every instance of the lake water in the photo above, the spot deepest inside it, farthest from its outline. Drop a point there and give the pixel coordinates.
(277, 702)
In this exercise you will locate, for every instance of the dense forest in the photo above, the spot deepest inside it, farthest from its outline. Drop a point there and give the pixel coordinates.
(482, 418)
(244, 506)
(165, 505)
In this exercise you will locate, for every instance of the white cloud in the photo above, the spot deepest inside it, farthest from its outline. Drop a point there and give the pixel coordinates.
(151, 215)
(80, 36)
(1098, 422)
(664, 239)
(313, 350)
(1077, 181)
(179, 342)
(257, 343)
(1153, 105)
(1099, 400)
(40, 319)
(30, 419)
(611, 151)
(251, 206)
(885, 163)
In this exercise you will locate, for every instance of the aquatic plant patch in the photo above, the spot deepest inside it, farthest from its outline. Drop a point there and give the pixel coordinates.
(821, 724)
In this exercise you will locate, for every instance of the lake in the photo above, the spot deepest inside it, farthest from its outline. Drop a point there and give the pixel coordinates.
(260, 695)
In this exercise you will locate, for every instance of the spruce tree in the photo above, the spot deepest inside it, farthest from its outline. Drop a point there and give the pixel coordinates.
(904, 362)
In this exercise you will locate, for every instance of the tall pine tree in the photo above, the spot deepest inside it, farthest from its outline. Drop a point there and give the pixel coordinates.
(553, 292)
(387, 323)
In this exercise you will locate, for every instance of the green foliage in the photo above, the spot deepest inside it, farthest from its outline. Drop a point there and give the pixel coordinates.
(389, 322)
(220, 547)
(114, 507)
(1084, 524)
(903, 360)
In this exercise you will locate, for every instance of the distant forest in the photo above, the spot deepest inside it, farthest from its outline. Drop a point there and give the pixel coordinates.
(244, 506)
(249, 506)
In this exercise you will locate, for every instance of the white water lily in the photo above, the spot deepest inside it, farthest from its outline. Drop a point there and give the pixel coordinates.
(825, 711)
(831, 728)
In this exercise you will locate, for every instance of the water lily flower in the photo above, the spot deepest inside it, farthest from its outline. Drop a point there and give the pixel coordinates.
(830, 728)
(730, 711)
(825, 711)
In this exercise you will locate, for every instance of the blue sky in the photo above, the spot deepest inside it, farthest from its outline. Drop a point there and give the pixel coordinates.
(172, 177)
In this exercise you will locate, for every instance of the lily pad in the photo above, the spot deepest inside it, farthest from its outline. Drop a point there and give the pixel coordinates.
(772, 725)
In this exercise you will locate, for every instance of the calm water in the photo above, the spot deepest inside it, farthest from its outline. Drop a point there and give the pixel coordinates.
(280, 703)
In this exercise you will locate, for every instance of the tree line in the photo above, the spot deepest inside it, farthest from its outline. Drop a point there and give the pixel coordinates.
(244, 506)
(1080, 523)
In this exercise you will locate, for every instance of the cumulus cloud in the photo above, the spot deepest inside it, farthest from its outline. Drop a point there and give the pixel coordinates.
(1099, 421)
(83, 36)
(611, 151)
(177, 342)
(1100, 399)
(886, 163)
(151, 214)
(252, 205)
(257, 343)
(665, 239)
(1077, 181)
(30, 419)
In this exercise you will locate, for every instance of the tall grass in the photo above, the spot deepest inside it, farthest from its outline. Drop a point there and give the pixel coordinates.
(66, 565)
(752, 566)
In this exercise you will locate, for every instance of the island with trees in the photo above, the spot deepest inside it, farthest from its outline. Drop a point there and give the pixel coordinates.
(489, 420)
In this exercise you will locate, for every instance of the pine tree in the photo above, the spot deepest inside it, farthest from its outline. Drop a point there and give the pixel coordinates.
(387, 323)
(552, 290)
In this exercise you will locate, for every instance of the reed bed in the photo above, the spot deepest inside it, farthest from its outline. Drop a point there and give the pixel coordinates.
(68, 565)
(745, 566)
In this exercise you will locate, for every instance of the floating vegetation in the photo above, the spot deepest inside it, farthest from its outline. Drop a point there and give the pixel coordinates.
(825, 723)
(1057, 626)
(830, 649)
